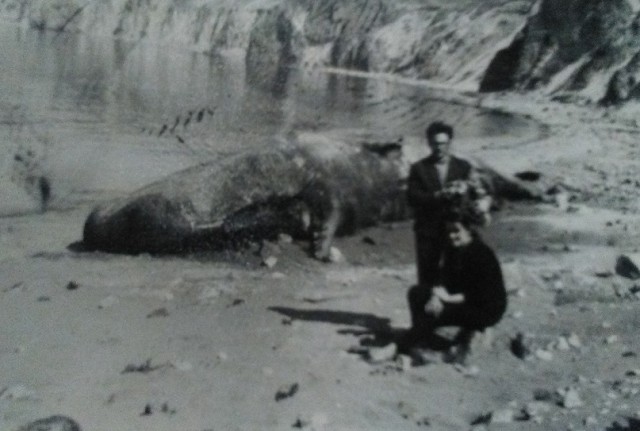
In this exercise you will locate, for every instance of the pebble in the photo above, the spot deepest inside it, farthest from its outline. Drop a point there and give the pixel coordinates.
(574, 341)
(270, 261)
(470, 371)
(571, 399)
(335, 255)
(562, 344)
(517, 314)
(222, 356)
(536, 408)
(544, 355)
(502, 416)
(284, 238)
(612, 339)
(382, 354)
(404, 362)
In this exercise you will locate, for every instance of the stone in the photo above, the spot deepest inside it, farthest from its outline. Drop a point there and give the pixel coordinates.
(571, 399)
(382, 354)
(270, 261)
(544, 355)
(574, 341)
(536, 408)
(335, 255)
(628, 265)
(502, 416)
(562, 344)
(521, 346)
(284, 238)
(611, 339)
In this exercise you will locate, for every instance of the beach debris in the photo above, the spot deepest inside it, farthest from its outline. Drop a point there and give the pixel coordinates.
(300, 423)
(159, 312)
(167, 410)
(148, 410)
(628, 265)
(144, 368)
(521, 346)
(44, 298)
(236, 302)
(368, 240)
(52, 423)
(528, 175)
(72, 285)
(13, 287)
(286, 391)
(316, 421)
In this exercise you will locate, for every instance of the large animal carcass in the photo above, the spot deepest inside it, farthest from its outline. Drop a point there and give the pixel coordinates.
(313, 188)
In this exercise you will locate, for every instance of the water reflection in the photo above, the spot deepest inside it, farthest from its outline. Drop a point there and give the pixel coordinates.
(131, 96)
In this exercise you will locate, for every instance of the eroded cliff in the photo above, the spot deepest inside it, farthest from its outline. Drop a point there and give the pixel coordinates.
(584, 49)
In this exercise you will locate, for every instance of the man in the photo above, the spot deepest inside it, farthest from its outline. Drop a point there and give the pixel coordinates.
(472, 295)
(427, 179)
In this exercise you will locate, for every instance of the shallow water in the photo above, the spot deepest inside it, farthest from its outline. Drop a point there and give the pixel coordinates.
(104, 116)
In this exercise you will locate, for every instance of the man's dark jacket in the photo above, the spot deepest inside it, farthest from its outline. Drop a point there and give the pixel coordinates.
(424, 182)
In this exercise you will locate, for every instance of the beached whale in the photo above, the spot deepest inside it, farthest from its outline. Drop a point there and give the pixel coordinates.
(314, 188)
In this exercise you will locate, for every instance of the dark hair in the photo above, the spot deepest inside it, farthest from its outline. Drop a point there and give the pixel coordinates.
(439, 127)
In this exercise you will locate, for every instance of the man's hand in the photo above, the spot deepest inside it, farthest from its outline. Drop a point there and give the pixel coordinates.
(444, 296)
(434, 307)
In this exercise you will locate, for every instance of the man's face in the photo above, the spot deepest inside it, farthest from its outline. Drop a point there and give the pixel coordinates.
(440, 145)
(459, 235)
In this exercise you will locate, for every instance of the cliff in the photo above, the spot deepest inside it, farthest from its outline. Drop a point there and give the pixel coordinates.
(578, 49)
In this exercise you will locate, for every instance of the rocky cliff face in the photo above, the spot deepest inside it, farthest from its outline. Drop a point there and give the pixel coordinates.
(581, 48)
(568, 48)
